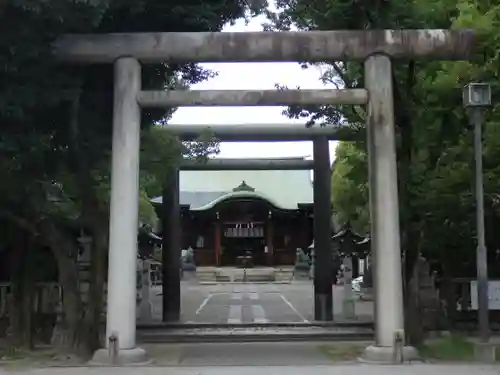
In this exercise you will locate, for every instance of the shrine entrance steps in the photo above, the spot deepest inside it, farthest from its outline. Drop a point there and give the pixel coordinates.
(310, 332)
(244, 275)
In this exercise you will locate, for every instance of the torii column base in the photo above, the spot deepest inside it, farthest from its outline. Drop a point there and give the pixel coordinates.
(384, 355)
(125, 357)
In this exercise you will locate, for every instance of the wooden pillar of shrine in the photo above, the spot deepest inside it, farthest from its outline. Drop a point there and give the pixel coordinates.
(323, 269)
(269, 241)
(305, 231)
(171, 249)
(217, 241)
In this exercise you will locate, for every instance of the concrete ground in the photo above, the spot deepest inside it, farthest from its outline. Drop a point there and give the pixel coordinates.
(235, 303)
(252, 359)
(354, 369)
(239, 354)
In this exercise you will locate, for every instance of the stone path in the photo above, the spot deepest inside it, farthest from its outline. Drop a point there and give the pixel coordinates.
(354, 369)
(257, 359)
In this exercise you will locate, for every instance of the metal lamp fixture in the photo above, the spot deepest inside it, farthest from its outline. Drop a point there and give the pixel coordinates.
(477, 96)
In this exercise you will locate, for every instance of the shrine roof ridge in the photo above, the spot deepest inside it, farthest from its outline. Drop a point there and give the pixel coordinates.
(206, 200)
(289, 189)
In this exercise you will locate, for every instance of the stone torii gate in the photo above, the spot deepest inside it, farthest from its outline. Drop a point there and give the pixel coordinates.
(374, 47)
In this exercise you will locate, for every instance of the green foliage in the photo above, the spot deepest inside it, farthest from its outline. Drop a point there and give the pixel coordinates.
(161, 153)
(56, 120)
(56, 125)
(147, 214)
(453, 348)
(435, 154)
(349, 179)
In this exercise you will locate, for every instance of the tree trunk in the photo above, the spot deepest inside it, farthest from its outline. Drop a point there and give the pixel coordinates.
(410, 243)
(21, 295)
(413, 306)
(28, 287)
(449, 297)
(93, 214)
(67, 333)
(93, 316)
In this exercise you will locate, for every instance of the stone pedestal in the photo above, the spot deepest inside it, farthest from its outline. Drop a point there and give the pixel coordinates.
(84, 262)
(485, 352)
(387, 355)
(145, 306)
(348, 304)
(311, 272)
(366, 294)
(124, 357)
(302, 262)
(312, 268)
(187, 260)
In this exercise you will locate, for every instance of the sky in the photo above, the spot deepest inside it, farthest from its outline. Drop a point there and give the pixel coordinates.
(253, 76)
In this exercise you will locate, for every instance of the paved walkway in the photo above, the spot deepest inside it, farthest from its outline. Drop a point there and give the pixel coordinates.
(252, 303)
(355, 369)
(239, 354)
(255, 359)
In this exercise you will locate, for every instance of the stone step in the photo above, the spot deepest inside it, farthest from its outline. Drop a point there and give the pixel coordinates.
(240, 275)
(255, 334)
(206, 274)
(206, 279)
(256, 278)
(222, 278)
(283, 275)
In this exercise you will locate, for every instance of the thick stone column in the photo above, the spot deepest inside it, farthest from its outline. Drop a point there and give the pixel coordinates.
(123, 223)
(171, 249)
(323, 301)
(384, 214)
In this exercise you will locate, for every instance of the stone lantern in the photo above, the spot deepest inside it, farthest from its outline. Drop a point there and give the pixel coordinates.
(349, 251)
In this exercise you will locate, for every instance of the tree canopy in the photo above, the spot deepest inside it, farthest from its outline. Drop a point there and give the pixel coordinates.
(55, 139)
(434, 138)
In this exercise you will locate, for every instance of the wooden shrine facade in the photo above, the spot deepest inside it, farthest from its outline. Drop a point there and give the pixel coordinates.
(245, 224)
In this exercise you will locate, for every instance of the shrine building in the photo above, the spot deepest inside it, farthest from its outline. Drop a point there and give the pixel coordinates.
(259, 213)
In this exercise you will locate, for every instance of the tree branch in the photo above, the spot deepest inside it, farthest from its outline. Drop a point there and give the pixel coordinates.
(349, 84)
(20, 222)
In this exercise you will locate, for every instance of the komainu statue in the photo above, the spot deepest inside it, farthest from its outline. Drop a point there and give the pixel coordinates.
(302, 261)
(187, 260)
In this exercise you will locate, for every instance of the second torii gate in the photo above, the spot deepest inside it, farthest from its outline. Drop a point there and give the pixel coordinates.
(323, 307)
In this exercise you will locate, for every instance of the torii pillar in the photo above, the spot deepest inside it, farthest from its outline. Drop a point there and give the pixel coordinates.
(323, 270)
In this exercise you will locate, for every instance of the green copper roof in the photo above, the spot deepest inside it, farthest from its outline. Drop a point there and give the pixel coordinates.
(284, 189)
(243, 187)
